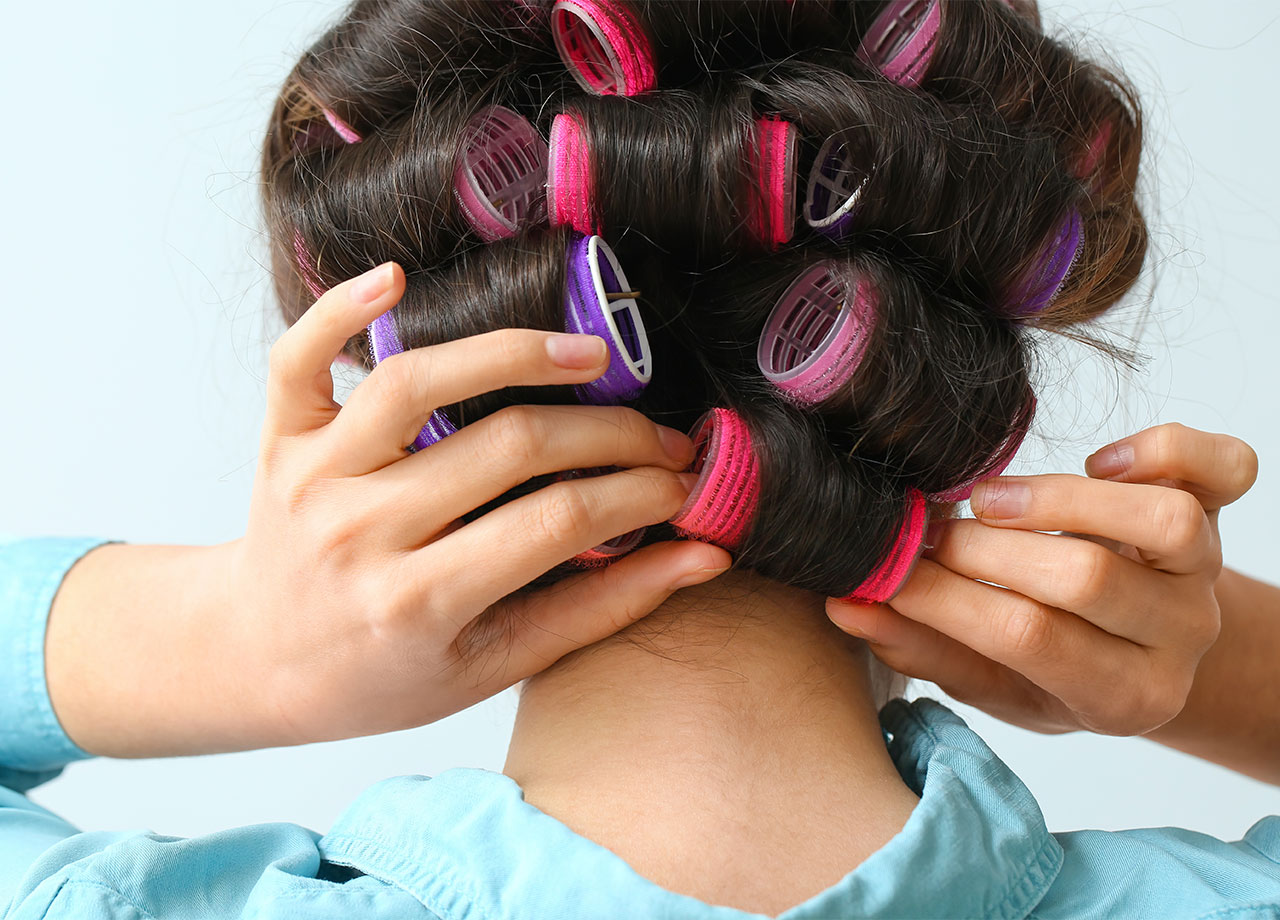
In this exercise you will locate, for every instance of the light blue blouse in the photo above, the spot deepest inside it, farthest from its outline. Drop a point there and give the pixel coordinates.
(464, 845)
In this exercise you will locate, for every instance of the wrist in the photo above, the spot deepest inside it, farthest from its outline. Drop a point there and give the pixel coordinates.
(143, 658)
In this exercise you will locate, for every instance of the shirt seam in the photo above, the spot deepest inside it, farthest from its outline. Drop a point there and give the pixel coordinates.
(115, 893)
(1261, 852)
(409, 872)
(1042, 860)
(1251, 906)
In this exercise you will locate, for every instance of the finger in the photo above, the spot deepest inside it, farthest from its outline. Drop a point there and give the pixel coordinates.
(1126, 598)
(1041, 643)
(1216, 468)
(513, 544)
(919, 651)
(538, 629)
(389, 407)
(497, 453)
(1168, 526)
(299, 380)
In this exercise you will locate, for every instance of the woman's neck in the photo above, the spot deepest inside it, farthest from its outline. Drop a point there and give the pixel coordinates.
(727, 747)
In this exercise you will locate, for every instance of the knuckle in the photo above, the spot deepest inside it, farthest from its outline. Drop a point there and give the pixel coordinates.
(1206, 625)
(1241, 463)
(1157, 701)
(1027, 629)
(1086, 572)
(1179, 518)
(391, 382)
(515, 435)
(561, 516)
(280, 358)
(510, 347)
(1166, 440)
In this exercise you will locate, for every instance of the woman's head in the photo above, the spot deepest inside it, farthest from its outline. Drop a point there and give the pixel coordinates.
(849, 252)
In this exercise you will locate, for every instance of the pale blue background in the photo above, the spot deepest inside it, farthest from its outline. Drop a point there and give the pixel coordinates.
(137, 314)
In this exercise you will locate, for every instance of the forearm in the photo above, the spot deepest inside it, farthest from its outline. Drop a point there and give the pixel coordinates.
(141, 655)
(1232, 715)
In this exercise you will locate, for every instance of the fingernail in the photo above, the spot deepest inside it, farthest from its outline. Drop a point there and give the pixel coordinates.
(690, 480)
(676, 445)
(576, 351)
(850, 618)
(372, 284)
(1112, 460)
(1000, 499)
(934, 534)
(697, 577)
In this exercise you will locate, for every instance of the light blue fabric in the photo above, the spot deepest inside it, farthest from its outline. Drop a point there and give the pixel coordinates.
(466, 845)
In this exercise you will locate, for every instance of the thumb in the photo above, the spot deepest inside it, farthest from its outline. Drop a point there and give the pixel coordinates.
(916, 650)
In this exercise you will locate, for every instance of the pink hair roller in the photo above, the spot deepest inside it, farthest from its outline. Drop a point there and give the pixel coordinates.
(773, 158)
(1088, 163)
(888, 577)
(816, 335)
(1000, 460)
(609, 551)
(348, 134)
(569, 176)
(501, 172)
(836, 184)
(306, 267)
(603, 46)
(901, 40)
(723, 501)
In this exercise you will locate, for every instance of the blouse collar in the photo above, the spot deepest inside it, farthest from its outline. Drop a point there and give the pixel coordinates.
(466, 844)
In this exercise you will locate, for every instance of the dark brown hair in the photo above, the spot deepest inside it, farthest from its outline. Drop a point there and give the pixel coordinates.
(968, 178)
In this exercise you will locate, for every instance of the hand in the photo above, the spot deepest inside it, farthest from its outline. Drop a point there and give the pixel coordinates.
(358, 601)
(364, 603)
(1099, 628)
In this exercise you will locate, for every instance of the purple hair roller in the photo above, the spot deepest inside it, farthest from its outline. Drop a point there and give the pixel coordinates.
(384, 342)
(817, 334)
(599, 301)
(1046, 278)
(501, 172)
(836, 184)
(901, 40)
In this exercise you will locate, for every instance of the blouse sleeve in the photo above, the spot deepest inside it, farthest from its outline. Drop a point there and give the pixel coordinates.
(33, 746)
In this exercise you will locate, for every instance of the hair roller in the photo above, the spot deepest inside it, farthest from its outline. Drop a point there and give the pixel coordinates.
(897, 563)
(773, 157)
(384, 342)
(604, 46)
(815, 338)
(999, 461)
(629, 47)
(601, 178)
(341, 128)
(900, 43)
(598, 300)
(306, 267)
(569, 176)
(722, 503)
(1049, 271)
(501, 172)
(836, 183)
(609, 551)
